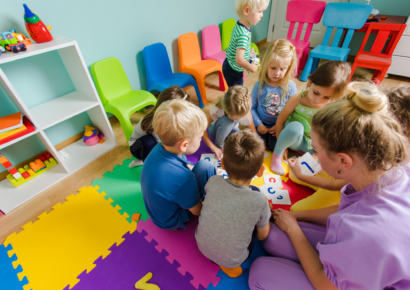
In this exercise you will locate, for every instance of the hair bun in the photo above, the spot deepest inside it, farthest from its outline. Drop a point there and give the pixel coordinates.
(366, 97)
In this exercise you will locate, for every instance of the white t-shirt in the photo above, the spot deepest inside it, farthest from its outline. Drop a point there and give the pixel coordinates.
(138, 133)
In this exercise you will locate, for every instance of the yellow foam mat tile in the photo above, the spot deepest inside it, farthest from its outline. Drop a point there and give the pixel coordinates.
(54, 250)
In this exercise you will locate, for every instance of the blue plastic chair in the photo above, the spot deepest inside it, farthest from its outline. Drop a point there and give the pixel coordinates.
(159, 72)
(350, 16)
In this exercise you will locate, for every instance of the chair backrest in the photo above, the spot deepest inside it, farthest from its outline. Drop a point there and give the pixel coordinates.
(189, 52)
(303, 11)
(211, 41)
(110, 79)
(157, 65)
(349, 16)
(384, 31)
(227, 27)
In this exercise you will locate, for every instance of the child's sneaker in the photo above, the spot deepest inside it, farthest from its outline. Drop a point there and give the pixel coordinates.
(136, 163)
(232, 272)
(276, 164)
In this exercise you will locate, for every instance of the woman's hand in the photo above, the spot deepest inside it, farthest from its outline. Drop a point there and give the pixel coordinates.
(284, 219)
(272, 130)
(294, 166)
(217, 151)
(262, 129)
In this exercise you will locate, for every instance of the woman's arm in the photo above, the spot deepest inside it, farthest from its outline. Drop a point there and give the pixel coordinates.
(211, 145)
(317, 216)
(286, 111)
(308, 257)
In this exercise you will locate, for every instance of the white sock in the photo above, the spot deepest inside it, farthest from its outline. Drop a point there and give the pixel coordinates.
(136, 163)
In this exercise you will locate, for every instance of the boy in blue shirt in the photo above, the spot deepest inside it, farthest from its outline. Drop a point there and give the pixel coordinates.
(172, 188)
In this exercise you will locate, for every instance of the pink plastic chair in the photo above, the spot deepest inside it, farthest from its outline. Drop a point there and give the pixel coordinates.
(211, 44)
(303, 11)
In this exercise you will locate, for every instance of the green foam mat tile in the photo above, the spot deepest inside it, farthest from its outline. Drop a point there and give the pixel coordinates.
(122, 185)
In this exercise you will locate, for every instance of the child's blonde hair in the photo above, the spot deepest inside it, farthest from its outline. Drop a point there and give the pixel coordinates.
(332, 74)
(361, 124)
(176, 120)
(278, 50)
(399, 99)
(235, 102)
(252, 4)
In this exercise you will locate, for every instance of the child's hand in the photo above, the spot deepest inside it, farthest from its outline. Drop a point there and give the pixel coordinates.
(272, 130)
(262, 129)
(294, 166)
(218, 152)
(253, 68)
(284, 219)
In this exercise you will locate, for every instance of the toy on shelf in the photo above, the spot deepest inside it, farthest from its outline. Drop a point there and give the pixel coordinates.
(92, 136)
(39, 166)
(63, 154)
(9, 42)
(35, 27)
(9, 167)
(20, 37)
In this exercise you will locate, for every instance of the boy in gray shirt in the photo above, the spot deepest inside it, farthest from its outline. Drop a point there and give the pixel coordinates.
(234, 212)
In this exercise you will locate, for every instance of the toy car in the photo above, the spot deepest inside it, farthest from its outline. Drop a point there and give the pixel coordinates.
(16, 47)
(7, 38)
(20, 37)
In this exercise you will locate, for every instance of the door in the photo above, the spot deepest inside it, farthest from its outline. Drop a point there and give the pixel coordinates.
(278, 26)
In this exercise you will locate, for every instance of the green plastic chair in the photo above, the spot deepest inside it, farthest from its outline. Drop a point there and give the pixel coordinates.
(227, 27)
(116, 93)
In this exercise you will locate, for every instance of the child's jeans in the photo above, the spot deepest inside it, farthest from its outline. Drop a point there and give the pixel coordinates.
(143, 146)
(268, 138)
(220, 129)
(232, 77)
(292, 137)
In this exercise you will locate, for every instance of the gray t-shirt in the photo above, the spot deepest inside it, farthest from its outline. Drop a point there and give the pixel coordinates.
(228, 217)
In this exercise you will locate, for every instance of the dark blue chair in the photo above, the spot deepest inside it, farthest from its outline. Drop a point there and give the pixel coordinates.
(350, 16)
(159, 72)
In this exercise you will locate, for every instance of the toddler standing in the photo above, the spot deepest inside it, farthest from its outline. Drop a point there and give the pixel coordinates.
(237, 53)
(271, 92)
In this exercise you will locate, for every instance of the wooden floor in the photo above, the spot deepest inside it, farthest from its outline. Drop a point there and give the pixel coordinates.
(29, 211)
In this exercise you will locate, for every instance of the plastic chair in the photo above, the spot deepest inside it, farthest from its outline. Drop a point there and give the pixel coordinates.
(116, 93)
(303, 11)
(190, 62)
(348, 16)
(211, 44)
(376, 58)
(159, 72)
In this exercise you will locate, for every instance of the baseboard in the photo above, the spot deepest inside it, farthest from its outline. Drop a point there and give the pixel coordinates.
(263, 41)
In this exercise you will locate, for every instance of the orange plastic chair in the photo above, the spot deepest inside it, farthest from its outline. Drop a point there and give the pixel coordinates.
(190, 62)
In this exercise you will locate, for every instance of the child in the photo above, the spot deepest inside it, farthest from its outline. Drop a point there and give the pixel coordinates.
(230, 110)
(234, 212)
(237, 53)
(274, 88)
(326, 83)
(172, 192)
(399, 99)
(143, 137)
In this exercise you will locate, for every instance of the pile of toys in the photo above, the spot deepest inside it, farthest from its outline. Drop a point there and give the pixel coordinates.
(13, 41)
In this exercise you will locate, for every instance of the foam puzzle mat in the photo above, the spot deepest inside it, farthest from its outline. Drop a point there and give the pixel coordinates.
(122, 185)
(54, 250)
(8, 275)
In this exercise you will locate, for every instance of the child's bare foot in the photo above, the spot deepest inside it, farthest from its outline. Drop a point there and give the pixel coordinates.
(232, 272)
(276, 164)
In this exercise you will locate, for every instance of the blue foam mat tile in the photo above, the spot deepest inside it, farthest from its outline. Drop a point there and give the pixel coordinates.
(8, 275)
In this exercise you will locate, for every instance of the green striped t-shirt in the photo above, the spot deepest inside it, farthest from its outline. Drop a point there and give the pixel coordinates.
(241, 37)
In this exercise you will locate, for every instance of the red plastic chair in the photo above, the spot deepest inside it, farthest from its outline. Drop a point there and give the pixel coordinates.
(377, 58)
(303, 11)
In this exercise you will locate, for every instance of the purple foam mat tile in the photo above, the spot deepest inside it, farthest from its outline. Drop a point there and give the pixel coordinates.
(181, 246)
(129, 262)
(203, 149)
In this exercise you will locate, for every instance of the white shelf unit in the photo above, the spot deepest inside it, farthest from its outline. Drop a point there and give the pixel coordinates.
(400, 63)
(48, 114)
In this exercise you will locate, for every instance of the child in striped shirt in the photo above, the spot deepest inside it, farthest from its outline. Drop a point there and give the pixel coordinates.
(237, 53)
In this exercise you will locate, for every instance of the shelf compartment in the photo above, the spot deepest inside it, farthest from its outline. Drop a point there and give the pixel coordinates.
(81, 154)
(62, 108)
(11, 197)
(38, 48)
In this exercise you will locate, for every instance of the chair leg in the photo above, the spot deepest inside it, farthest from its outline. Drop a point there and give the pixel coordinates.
(244, 76)
(198, 94)
(222, 83)
(299, 56)
(126, 126)
(304, 58)
(315, 64)
(381, 75)
(306, 71)
(200, 80)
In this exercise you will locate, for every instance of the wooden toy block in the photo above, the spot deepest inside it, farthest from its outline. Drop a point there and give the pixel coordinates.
(48, 164)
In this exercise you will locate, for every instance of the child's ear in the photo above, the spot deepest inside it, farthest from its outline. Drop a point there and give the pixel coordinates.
(183, 145)
(261, 171)
(246, 10)
(222, 163)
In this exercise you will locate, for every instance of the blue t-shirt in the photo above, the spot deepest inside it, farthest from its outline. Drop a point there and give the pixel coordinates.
(169, 188)
(267, 106)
